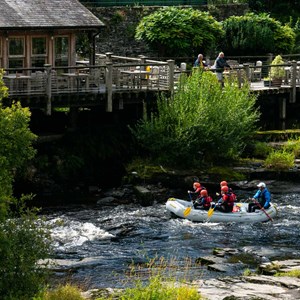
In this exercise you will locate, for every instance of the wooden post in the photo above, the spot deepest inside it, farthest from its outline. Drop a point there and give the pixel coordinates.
(270, 58)
(144, 77)
(247, 71)
(239, 75)
(293, 82)
(108, 80)
(143, 61)
(171, 64)
(48, 69)
(108, 56)
(282, 113)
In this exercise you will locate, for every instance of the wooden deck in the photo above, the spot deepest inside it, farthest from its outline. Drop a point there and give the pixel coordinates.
(114, 74)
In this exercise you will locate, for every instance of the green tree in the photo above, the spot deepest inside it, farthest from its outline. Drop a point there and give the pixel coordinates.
(15, 145)
(23, 238)
(174, 31)
(201, 123)
(256, 34)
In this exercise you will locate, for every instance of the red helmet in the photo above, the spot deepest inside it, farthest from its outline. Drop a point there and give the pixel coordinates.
(223, 183)
(203, 193)
(196, 185)
(224, 189)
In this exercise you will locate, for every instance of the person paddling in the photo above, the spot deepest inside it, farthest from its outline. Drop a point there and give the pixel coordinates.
(204, 201)
(225, 204)
(197, 189)
(263, 196)
(224, 183)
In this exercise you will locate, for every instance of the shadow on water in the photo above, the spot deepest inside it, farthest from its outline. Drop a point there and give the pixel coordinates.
(99, 246)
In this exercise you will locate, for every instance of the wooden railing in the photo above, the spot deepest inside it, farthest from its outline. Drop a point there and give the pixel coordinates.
(113, 74)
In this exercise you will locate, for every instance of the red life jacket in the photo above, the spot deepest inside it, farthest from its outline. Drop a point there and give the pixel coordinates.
(207, 201)
(229, 198)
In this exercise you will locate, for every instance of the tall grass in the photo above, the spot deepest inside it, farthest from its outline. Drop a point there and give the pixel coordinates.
(156, 280)
(280, 160)
(293, 145)
(62, 292)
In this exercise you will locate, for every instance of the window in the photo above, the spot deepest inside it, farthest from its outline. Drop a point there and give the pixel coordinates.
(38, 51)
(61, 47)
(16, 52)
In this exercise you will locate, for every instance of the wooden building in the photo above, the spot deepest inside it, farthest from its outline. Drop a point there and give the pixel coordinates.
(34, 32)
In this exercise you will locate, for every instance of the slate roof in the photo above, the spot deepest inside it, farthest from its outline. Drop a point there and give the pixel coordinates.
(33, 14)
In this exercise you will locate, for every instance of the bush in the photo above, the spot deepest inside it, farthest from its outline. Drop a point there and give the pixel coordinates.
(280, 160)
(174, 31)
(277, 72)
(256, 34)
(202, 122)
(293, 145)
(261, 150)
(24, 241)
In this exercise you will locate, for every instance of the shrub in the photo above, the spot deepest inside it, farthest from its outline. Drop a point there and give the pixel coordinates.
(277, 72)
(202, 122)
(24, 240)
(280, 160)
(256, 34)
(261, 150)
(174, 31)
(293, 145)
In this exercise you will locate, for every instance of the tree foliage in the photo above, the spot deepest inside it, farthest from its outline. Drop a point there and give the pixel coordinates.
(202, 122)
(179, 32)
(256, 34)
(15, 145)
(24, 240)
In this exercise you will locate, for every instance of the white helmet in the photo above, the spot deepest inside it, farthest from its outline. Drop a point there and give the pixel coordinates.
(261, 184)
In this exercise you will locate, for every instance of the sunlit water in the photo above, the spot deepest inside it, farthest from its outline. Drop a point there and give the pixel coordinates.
(105, 241)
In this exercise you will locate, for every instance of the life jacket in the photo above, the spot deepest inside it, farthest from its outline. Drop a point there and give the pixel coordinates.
(228, 199)
(234, 196)
(206, 201)
(232, 193)
(262, 197)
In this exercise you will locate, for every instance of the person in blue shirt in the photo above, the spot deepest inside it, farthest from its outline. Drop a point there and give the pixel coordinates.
(220, 65)
(262, 198)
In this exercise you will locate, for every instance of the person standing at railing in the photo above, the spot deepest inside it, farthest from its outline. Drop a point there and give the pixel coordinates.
(199, 62)
(220, 65)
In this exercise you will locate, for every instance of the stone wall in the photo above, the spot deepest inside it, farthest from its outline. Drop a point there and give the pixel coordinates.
(118, 35)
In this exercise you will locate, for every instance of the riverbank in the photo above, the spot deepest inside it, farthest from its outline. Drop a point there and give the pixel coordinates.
(263, 286)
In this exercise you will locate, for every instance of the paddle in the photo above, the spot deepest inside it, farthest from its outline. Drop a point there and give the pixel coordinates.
(211, 211)
(188, 209)
(258, 204)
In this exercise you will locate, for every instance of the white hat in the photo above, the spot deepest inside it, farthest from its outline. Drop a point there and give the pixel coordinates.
(261, 184)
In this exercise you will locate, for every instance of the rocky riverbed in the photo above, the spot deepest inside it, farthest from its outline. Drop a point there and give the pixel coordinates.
(264, 286)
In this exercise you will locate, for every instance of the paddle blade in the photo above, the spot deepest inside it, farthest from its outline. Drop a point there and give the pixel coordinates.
(187, 211)
(210, 212)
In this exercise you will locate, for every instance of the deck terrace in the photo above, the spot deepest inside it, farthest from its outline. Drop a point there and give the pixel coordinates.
(113, 74)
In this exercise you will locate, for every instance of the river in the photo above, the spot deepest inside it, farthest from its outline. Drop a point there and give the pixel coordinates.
(96, 246)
